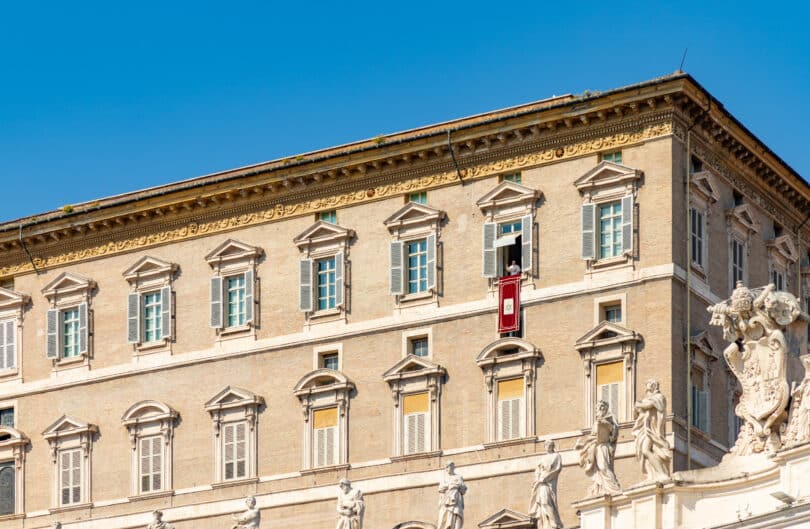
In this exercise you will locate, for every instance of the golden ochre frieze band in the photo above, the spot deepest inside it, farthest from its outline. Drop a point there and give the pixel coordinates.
(280, 211)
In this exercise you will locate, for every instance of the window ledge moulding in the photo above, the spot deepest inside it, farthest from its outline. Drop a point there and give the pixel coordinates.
(322, 470)
(531, 440)
(69, 508)
(151, 495)
(234, 483)
(239, 331)
(416, 456)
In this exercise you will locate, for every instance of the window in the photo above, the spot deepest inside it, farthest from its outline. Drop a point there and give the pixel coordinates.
(510, 409)
(8, 344)
(13, 445)
(151, 426)
(328, 216)
(509, 244)
(508, 230)
(416, 422)
(7, 417)
(513, 177)
(234, 412)
(610, 386)
(700, 400)
(70, 477)
(235, 291)
(419, 346)
(782, 258)
(737, 261)
(778, 279)
(8, 482)
(69, 336)
(417, 266)
(152, 317)
(697, 240)
(419, 198)
(68, 319)
(233, 287)
(612, 313)
(615, 157)
(330, 361)
(326, 283)
(610, 230)
(324, 436)
(149, 305)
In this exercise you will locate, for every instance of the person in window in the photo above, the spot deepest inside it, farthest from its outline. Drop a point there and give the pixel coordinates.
(513, 269)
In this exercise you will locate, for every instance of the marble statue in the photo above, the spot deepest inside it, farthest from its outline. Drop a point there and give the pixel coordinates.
(250, 519)
(451, 499)
(350, 506)
(543, 506)
(798, 429)
(752, 321)
(157, 521)
(652, 448)
(597, 452)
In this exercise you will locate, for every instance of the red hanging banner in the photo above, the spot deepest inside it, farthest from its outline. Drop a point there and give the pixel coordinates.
(509, 304)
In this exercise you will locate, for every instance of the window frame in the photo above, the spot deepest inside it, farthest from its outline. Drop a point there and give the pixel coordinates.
(149, 275)
(782, 259)
(69, 291)
(417, 197)
(150, 419)
(317, 390)
(230, 260)
(233, 405)
(741, 224)
(702, 197)
(329, 215)
(65, 435)
(12, 310)
(12, 450)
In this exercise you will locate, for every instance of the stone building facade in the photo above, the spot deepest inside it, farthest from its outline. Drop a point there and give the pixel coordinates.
(269, 330)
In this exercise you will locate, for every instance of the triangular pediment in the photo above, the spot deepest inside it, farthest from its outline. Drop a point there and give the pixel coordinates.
(785, 247)
(413, 365)
(323, 231)
(11, 298)
(67, 282)
(414, 213)
(149, 266)
(231, 250)
(703, 184)
(506, 518)
(508, 193)
(604, 333)
(231, 396)
(700, 341)
(607, 174)
(67, 425)
(744, 215)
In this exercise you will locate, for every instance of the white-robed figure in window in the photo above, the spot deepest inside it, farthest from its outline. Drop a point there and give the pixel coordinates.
(543, 506)
(350, 506)
(451, 499)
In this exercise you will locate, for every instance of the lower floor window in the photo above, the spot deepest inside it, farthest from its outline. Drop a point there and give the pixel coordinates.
(151, 463)
(235, 448)
(510, 409)
(415, 412)
(324, 437)
(610, 386)
(7, 484)
(70, 474)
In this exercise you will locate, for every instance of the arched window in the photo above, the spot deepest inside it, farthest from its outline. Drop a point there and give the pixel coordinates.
(151, 431)
(13, 444)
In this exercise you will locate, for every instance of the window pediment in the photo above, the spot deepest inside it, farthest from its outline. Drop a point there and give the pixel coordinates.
(783, 248)
(233, 251)
(700, 342)
(413, 366)
(507, 195)
(414, 214)
(11, 299)
(607, 174)
(507, 350)
(148, 411)
(148, 267)
(67, 426)
(68, 283)
(414, 525)
(702, 184)
(11, 437)
(606, 333)
(323, 233)
(505, 519)
(322, 380)
(233, 397)
(743, 216)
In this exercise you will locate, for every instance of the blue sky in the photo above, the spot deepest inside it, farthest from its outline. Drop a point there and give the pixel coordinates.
(100, 98)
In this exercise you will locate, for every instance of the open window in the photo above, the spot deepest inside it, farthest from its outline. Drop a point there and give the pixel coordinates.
(508, 230)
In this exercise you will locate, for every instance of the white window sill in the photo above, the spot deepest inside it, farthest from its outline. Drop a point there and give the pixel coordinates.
(330, 468)
(151, 347)
(325, 313)
(234, 483)
(9, 373)
(73, 362)
(151, 495)
(236, 330)
(416, 455)
(611, 261)
(72, 507)
(512, 442)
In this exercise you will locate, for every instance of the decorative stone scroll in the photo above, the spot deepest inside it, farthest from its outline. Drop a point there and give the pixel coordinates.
(752, 321)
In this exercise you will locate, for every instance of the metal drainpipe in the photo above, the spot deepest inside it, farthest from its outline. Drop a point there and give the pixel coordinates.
(689, 410)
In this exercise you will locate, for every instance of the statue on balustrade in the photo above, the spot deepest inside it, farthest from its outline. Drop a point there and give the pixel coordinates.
(543, 506)
(157, 521)
(752, 321)
(350, 506)
(250, 519)
(798, 429)
(597, 452)
(451, 499)
(652, 448)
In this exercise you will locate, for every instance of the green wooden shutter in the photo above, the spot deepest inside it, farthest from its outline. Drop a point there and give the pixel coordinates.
(216, 302)
(83, 329)
(431, 261)
(52, 340)
(526, 229)
(627, 224)
(166, 311)
(339, 283)
(249, 296)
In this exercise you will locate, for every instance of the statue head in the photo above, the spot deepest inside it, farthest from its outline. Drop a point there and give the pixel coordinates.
(344, 484)
(652, 386)
(450, 467)
(742, 299)
(550, 446)
(157, 515)
(602, 408)
(250, 501)
(57, 525)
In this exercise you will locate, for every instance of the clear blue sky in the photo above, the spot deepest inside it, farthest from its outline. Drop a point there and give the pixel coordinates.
(100, 98)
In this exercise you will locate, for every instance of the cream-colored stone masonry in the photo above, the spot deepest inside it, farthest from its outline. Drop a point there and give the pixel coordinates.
(560, 299)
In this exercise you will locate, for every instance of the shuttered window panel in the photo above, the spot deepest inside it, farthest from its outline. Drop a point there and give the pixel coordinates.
(166, 311)
(509, 419)
(83, 329)
(527, 233)
(250, 283)
(627, 224)
(339, 282)
(151, 464)
(325, 446)
(703, 410)
(70, 476)
(216, 302)
(395, 258)
(134, 317)
(610, 394)
(8, 337)
(305, 285)
(52, 334)
(587, 223)
(431, 261)
(490, 253)
(415, 431)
